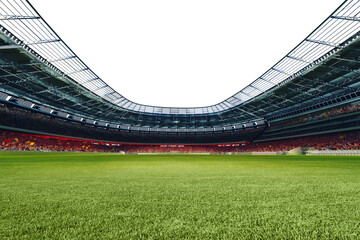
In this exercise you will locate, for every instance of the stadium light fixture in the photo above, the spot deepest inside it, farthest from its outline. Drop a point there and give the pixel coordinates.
(52, 111)
(11, 99)
(34, 106)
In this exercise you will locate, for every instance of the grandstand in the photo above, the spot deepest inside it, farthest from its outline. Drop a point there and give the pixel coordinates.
(307, 99)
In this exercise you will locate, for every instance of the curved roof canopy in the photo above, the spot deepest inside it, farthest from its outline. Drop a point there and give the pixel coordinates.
(32, 32)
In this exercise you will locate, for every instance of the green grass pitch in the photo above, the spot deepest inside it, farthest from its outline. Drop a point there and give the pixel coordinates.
(111, 196)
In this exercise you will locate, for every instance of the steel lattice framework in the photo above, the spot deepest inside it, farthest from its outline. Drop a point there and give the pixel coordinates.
(37, 65)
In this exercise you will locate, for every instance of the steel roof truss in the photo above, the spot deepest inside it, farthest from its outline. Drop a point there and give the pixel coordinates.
(348, 18)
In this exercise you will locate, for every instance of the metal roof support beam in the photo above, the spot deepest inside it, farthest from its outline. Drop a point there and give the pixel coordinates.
(77, 71)
(100, 88)
(47, 90)
(298, 84)
(6, 81)
(121, 100)
(104, 112)
(346, 59)
(274, 84)
(248, 113)
(280, 71)
(17, 17)
(18, 83)
(123, 114)
(18, 65)
(43, 41)
(112, 112)
(235, 98)
(330, 44)
(82, 104)
(255, 88)
(342, 68)
(65, 87)
(252, 108)
(276, 106)
(62, 59)
(54, 90)
(17, 74)
(298, 59)
(346, 18)
(246, 94)
(336, 86)
(3, 47)
(110, 93)
(90, 80)
(283, 98)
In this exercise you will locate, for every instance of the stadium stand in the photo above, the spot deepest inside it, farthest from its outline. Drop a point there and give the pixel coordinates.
(14, 141)
(309, 99)
(327, 114)
(15, 117)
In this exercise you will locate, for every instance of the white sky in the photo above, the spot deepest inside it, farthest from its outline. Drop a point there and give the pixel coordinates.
(183, 53)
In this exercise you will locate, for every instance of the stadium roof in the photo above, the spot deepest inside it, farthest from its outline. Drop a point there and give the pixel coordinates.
(39, 66)
(22, 20)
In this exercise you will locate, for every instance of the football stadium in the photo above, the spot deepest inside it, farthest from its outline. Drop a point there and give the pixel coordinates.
(279, 159)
